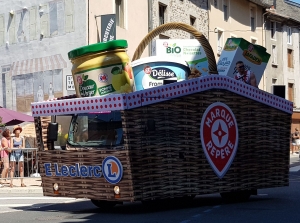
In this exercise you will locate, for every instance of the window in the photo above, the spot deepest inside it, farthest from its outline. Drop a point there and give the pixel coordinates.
(162, 11)
(192, 23)
(290, 58)
(53, 18)
(220, 42)
(120, 15)
(96, 130)
(225, 10)
(289, 35)
(291, 92)
(216, 3)
(274, 54)
(273, 30)
(252, 19)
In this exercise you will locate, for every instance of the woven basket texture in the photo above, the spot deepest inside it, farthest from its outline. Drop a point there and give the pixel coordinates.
(170, 162)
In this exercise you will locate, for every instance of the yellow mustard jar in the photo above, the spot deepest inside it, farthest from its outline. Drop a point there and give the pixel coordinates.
(101, 69)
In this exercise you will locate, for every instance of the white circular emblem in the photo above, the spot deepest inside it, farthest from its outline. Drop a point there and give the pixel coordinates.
(219, 137)
(112, 169)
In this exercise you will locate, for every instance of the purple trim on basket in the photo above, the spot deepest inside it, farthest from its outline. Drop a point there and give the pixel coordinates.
(162, 93)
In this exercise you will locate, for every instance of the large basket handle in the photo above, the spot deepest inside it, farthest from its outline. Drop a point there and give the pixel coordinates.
(181, 26)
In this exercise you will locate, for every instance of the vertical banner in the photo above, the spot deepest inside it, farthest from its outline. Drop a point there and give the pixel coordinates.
(108, 27)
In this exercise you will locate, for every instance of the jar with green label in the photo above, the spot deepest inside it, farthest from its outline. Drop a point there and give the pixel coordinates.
(101, 69)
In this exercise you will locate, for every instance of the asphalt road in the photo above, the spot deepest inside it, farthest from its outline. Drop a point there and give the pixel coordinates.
(270, 206)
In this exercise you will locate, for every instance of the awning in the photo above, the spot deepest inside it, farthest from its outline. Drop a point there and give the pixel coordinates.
(38, 64)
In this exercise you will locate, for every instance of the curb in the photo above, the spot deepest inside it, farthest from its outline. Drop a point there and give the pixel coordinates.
(21, 190)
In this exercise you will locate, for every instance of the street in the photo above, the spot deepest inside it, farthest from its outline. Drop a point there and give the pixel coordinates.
(270, 206)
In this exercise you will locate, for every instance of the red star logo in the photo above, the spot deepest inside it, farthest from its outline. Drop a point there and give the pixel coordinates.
(219, 133)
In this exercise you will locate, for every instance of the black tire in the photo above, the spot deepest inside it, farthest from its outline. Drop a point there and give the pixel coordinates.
(105, 205)
(236, 196)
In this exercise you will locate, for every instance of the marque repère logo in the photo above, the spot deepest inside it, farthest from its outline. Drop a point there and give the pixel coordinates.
(219, 137)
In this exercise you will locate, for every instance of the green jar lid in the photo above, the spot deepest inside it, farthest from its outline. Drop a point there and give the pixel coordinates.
(98, 47)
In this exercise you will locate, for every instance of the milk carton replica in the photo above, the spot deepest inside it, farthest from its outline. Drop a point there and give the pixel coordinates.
(243, 61)
(189, 50)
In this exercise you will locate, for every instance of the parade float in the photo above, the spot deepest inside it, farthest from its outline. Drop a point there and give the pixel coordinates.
(202, 135)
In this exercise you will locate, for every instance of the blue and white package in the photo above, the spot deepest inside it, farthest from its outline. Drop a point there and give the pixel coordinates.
(156, 71)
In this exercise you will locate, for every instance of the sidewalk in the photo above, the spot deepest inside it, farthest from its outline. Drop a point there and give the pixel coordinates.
(33, 185)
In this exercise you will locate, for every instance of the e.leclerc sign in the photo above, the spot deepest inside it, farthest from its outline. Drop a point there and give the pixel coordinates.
(111, 169)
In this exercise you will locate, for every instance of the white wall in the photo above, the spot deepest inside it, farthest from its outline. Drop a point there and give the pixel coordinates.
(291, 75)
(47, 17)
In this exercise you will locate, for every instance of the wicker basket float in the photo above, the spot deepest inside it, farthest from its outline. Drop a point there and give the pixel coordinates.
(170, 161)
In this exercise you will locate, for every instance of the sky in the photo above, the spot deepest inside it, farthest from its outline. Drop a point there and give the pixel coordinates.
(297, 1)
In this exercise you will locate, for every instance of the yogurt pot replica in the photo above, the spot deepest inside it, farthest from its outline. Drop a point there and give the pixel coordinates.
(102, 69)
(156, 71)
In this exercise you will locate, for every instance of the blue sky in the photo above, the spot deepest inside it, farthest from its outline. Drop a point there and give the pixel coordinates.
(297, 1)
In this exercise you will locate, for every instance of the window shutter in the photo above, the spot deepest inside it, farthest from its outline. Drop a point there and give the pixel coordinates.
(32, 22)
(69, 11)
(12, 30)
(2, 30)
(45, 21)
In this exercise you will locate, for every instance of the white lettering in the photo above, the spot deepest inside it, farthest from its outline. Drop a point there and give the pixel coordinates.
(222, 154)
(209, 145)
(162, 73)
(227, 151)
(217, 112)
(208, 122)
(218, 153)
(107, 30)
(230, 144)
(212, 152)
(212, 115)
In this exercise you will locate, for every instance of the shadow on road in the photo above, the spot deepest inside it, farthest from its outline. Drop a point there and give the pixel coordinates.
(85, 211)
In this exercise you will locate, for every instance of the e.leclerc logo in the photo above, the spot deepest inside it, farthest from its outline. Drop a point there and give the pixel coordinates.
(219, 137)
(111, 169)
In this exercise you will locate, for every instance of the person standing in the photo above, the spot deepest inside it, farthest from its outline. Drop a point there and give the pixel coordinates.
(40, 94)
(17, 156)
(246, 76)
(6, 149)
(51, 92)
(295, 140)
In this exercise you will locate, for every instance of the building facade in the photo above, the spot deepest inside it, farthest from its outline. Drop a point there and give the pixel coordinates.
(236, 19)
(35, 37)
(282, 41)
(191, 12)
(34, 40)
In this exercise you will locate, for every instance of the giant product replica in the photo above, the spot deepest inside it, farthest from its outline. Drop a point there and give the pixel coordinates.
(205, 135)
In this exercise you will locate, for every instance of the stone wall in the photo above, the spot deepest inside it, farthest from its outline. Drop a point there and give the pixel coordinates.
(180, 11)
